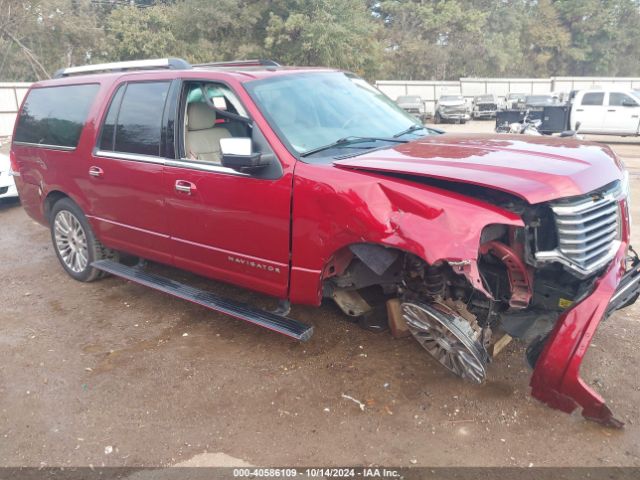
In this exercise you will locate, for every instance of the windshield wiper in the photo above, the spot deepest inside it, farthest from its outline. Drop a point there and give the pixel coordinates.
(412, 128)
(341, 142)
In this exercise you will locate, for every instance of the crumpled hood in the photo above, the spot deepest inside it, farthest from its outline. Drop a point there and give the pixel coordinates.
(537, 169)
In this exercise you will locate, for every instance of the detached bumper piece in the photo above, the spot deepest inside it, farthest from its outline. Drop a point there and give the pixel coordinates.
(556, 378)
(628, 290)
(277, 323)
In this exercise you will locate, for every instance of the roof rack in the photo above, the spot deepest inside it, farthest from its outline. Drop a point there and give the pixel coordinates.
(259, 62)
(168, 63)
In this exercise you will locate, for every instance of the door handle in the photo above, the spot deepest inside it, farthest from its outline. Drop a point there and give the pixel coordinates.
(611, 110)
(96, 172)
(185, 187)
(579, 109)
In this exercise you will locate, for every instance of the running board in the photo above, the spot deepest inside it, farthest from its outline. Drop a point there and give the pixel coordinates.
(277, 323)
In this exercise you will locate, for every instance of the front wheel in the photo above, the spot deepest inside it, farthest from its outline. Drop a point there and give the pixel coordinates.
(75, 243)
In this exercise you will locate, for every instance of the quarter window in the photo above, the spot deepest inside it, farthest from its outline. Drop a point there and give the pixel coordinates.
(136, 111)
(595, 98)
(55, 116)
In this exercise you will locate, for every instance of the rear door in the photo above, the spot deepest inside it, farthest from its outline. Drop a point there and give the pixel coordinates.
(224, 224)
(125, 174)
(589, 111)
(623, 114)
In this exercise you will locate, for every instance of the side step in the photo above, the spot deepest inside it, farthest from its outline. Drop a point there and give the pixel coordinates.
(277, 323)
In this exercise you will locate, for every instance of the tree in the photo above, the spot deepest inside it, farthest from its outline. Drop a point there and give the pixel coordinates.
(135, 33)
(335, 33)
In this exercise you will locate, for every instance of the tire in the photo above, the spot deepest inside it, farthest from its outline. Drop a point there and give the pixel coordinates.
(74, 242)
(437, 118)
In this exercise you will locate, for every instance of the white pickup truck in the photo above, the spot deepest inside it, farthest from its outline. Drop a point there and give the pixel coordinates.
(606, 112)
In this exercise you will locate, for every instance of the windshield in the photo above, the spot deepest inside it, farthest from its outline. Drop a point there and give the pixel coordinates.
(540, 99)
(484, 98)
(452, 98)
(408, 100)
(311, 110)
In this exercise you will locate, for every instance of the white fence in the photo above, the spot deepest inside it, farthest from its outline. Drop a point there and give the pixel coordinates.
(11, 95)
(430, 90)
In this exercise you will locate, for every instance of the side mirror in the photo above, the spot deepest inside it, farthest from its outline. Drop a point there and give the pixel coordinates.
(629, 103)
(237, 153)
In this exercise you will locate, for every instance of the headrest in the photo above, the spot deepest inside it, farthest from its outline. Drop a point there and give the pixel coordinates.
(200, 117)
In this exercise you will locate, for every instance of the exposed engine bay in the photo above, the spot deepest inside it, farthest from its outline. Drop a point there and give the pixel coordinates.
(529, 276)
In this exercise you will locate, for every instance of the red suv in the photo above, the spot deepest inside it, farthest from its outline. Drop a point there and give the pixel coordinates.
(304, 184)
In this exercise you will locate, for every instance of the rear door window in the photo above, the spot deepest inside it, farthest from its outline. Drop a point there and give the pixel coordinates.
(136, 111)
(617, 99)
(55, 116)
(594, 98)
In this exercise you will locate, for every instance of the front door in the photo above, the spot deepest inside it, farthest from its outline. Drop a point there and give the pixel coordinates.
(590, 112)
(623, 114)
(225, 224)
(125, 187)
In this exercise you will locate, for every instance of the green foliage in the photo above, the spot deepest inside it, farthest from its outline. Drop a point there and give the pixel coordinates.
(139, 33)
(337, 33)
(405, 39)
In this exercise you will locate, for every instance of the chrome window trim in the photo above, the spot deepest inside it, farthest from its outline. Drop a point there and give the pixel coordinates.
(203, 166)
(183, 162)
(134, 157)
(45, 145)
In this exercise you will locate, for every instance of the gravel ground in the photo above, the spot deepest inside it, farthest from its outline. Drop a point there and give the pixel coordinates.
(111, 373)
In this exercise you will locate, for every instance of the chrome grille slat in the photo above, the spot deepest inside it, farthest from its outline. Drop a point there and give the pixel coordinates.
(588, 230)
(585, 258)
(583, 238)
(607, 222)
(602, 241)
(581, 218)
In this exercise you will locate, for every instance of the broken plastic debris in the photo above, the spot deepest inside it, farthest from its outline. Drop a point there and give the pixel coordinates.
(349, 397)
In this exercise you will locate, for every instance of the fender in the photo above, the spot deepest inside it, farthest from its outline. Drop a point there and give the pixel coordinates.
(334, 208)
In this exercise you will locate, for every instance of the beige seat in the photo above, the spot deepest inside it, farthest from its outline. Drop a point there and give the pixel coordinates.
(202, 140)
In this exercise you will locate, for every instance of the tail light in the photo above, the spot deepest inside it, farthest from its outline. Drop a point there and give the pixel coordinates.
(13, 165)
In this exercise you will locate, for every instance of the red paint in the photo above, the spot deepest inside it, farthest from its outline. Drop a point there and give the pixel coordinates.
(537, 169)
(521, 289)
(556, 379)
(281, 237)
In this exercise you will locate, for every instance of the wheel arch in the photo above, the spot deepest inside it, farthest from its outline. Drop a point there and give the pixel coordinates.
(50, 200)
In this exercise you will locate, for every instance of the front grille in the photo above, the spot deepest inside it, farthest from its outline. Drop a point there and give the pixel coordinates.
(484, 107)
(588, 229)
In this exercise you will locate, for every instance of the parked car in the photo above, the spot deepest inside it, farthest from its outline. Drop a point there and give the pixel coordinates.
(452, 108)
(485, 106)
(606, 112)
(413, 105)
(540, 101)
(7, 185)
(513, 100)
(305, 184)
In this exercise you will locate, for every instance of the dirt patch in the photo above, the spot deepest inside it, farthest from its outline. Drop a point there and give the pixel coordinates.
(84, 367)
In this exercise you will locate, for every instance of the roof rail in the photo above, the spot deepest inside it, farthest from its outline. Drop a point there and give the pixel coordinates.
(168, 63)
(259, 62)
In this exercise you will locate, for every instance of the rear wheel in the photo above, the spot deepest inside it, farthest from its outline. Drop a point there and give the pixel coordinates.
(75, 243)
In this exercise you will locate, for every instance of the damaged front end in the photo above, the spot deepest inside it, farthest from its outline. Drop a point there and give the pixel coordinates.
(548, 283)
